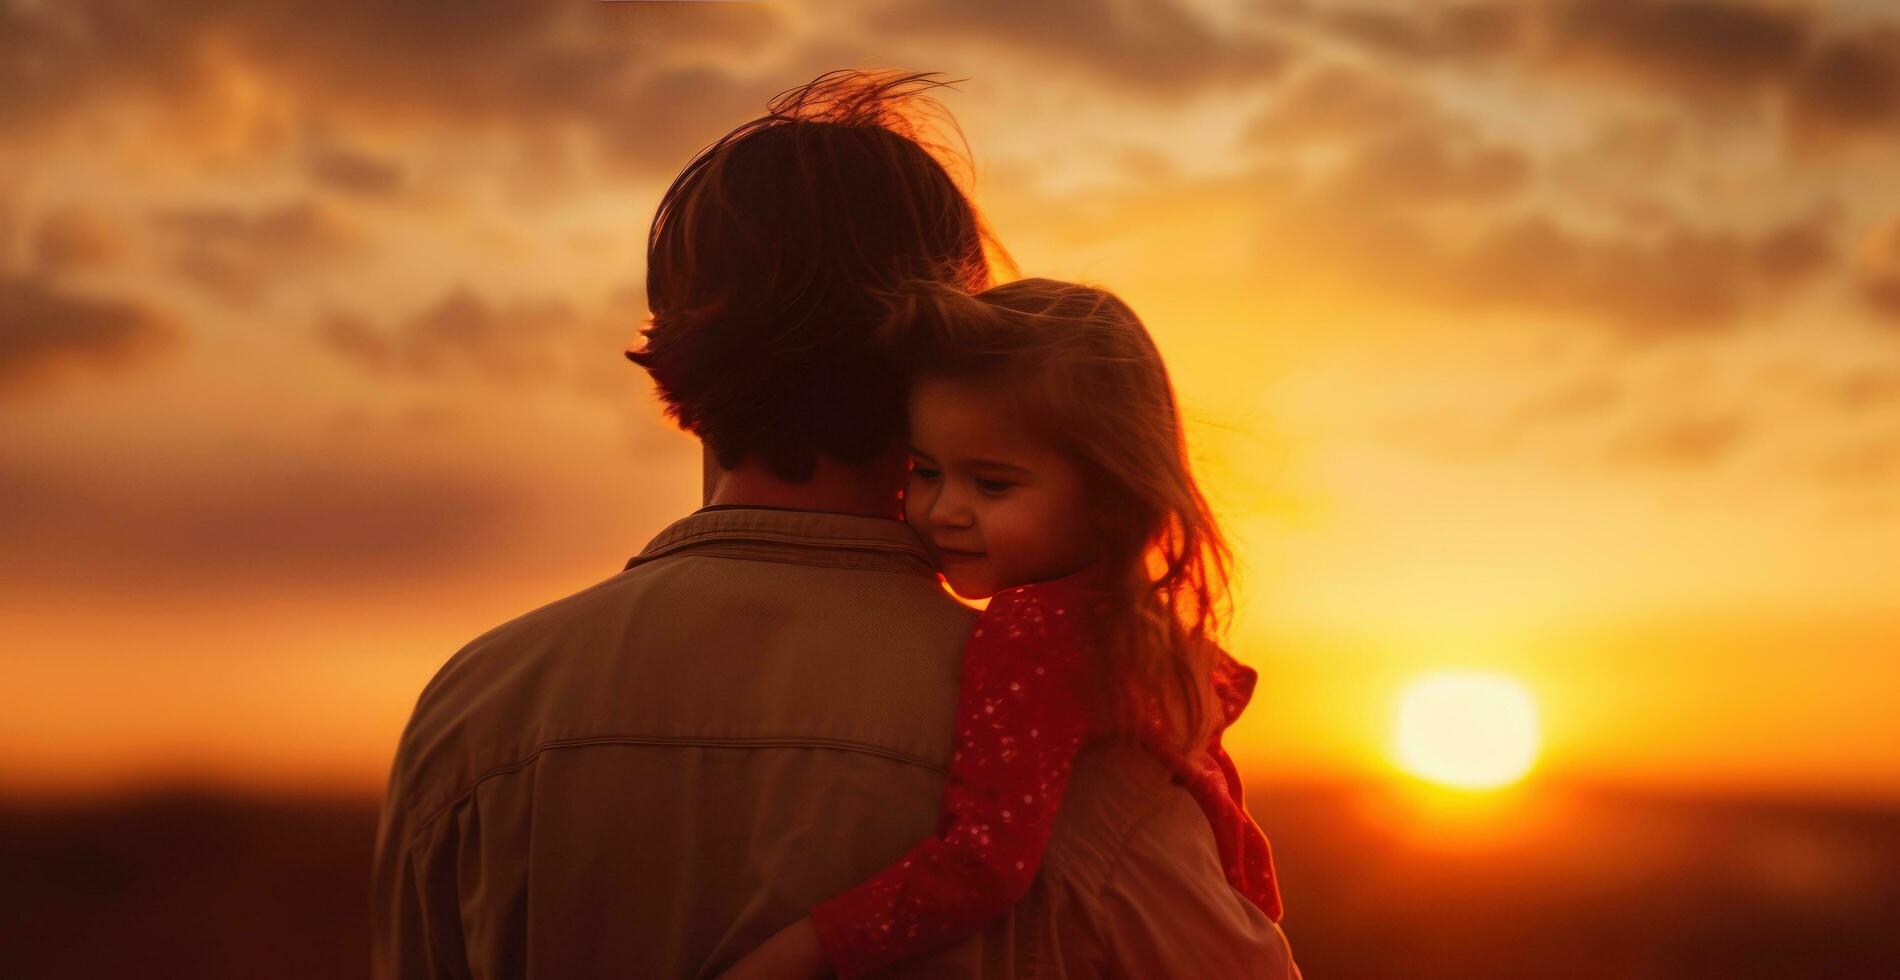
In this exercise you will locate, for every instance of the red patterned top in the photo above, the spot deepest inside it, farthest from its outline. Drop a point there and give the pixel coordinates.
(1021, 718)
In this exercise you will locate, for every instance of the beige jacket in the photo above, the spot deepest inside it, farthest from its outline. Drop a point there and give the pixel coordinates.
(652, 776)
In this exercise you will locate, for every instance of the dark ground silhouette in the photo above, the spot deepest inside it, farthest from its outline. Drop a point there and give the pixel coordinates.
(201, 885)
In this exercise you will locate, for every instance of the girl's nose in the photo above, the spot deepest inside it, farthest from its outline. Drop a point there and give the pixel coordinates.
(951, 510)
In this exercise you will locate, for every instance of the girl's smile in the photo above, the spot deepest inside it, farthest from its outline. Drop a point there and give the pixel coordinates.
(996, 504)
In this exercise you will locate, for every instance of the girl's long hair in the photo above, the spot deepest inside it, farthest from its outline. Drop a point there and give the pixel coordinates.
(1078, 365)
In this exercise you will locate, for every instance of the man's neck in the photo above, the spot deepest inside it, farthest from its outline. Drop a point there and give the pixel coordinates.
(870, 490)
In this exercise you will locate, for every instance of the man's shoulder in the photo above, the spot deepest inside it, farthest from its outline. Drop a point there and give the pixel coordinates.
(525, 635)
(1115, 794)
(1134, 869)
(545, 671)
(446, 738)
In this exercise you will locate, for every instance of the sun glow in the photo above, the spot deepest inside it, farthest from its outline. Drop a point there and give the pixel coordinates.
(1467, 730)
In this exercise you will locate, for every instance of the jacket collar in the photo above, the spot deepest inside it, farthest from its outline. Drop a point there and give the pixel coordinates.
(804, 537)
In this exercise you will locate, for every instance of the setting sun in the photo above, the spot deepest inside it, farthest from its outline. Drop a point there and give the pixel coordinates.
(1467, 730)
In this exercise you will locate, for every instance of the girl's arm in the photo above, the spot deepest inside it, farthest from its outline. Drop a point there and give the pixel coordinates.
(1021, 718)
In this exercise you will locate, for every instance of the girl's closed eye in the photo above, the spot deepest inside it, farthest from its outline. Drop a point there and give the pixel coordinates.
(923, 472)
(993, 486)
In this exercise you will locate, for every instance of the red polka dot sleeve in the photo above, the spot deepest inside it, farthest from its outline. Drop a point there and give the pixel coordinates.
(1021, 718)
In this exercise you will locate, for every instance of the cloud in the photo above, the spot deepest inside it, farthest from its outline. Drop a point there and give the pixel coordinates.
(356, 172)
(1864, 388)
(1582, 398)
(1377, 214)
(1422, 212)
(1682, 442)
(56, 58)
(464, 335)
(1869, 463)
(1877, 269)
(1671, 278)
(656, 125)
(76, 237)
(250, 521)
(60, 56)
(46, 332)
(1147, 49)
(1394, 145)
(1688, 280)
(529, 68)
(1431, 163)
(1848, 91)
(1466, 32)
(1800, 247)
(1333, 102)
(460, 333)
(239, 255)
(300, 226)
(1698, 48)
(1835, 78)
(9, 220)
(1553, 411)
(1643, 144)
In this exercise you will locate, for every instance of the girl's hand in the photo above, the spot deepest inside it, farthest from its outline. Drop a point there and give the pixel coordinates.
(794, 954)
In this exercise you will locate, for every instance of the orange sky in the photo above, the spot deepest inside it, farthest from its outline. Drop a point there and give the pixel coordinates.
(1560, 338)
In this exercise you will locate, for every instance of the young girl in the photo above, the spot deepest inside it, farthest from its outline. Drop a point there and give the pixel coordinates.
(1049, 474)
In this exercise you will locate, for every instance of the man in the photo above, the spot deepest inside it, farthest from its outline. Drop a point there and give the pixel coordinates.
(653, 776)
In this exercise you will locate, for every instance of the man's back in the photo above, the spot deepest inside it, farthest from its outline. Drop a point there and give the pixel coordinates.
(653, 776)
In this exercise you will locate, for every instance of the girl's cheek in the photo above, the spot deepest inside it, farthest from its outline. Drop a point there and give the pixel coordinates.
(916, 503)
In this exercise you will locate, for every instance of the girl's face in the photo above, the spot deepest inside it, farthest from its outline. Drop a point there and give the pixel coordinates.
(997, 507)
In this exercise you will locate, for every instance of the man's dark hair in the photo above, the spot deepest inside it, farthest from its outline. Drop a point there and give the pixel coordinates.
(770, 264)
